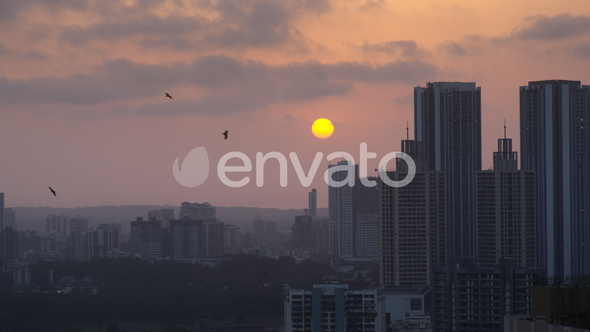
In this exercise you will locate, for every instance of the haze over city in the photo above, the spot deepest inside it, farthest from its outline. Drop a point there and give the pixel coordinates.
(82, 86)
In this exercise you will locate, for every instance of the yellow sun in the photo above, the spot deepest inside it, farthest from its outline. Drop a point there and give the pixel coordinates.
(322, 128)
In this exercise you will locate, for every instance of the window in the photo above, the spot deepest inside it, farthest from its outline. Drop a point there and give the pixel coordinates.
(415, 304)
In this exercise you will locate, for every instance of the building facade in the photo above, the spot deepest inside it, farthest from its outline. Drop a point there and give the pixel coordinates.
(334, 308)
(447, 122)
(555, 143)
(146, 238)
(302, 231)
(353, 212)
(413, 229)
(313, 203)
(197, 238)
(9, 244)
(102, 241)
(506, 211)
(471, 298)
(57, 225)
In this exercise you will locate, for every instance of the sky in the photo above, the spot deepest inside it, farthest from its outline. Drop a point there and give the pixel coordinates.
(82, 84)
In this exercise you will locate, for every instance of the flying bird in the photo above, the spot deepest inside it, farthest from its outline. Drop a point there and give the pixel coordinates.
(53, 191)
(266, 274)
(224, 134)
(169, 96)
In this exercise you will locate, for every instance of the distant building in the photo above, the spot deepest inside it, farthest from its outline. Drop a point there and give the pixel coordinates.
(302, 231)
(506, 211)
(555, 143)
(353, 213)
(9, 244)
(470, 298)
(213, 239)
(9, 218)
(146, 238)
(196, 211)
(164, 214)
(197, 238)
(58, 225)
(313, 203)
(29, 240)
(232, 236)
(270, 229)
(78, 223)
(186, 238)
(321, 227)
(333, 307)
(447, 121)
(102, 241)
(76, 244)
(258, 227)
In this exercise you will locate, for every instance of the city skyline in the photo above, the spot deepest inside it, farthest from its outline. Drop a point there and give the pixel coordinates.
(85, 112)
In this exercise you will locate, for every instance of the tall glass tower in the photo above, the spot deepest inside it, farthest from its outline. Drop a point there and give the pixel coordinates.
(447, 122)
(555, 143)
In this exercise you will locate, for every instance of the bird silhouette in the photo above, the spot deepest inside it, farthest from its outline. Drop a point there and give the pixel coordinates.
(53, 191)
(266, 274)
(169, 96)
(224, 134)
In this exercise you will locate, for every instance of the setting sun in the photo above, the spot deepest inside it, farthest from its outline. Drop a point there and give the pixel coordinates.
(322, 128)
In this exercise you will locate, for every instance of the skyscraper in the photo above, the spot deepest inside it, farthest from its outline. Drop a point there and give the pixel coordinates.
(447, 121)
(353, 213)
(555, 143)
(506, 216)
(413, 224)
(313, 203)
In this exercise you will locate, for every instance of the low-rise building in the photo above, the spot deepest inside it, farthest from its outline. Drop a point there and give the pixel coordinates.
(335, 308)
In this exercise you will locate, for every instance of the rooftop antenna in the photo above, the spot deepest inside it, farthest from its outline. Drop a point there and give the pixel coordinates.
(407, 130)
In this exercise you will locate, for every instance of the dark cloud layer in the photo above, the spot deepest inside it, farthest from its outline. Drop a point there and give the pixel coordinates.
(550, 28)
(230, 84)
(404, 48)
(219, 23)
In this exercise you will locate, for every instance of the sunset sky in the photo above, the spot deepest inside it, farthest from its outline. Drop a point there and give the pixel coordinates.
(82, 86)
